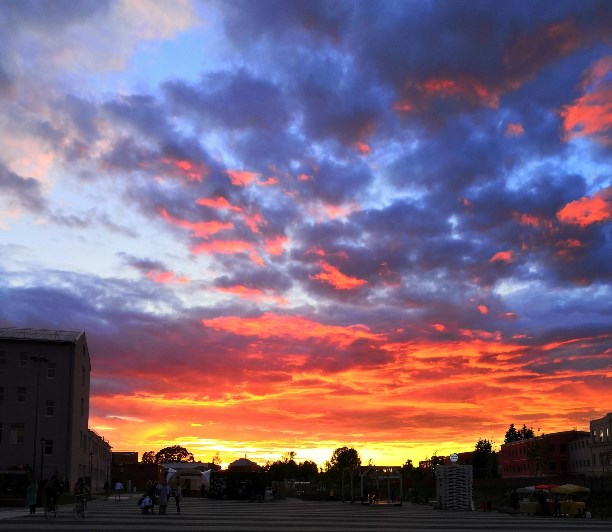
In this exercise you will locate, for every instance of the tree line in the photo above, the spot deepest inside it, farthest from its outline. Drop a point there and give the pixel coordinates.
(484, 459)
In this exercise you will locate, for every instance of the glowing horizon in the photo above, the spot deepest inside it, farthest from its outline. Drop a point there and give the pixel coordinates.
(297, 226)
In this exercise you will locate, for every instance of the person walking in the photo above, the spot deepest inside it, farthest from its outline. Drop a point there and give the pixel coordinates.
(31, 496)
(118, 490)
(178, 493)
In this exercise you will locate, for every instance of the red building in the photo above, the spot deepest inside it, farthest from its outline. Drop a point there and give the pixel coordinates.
(514, 461)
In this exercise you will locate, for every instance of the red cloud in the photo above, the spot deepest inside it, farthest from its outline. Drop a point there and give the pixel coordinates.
(252, 294)
(514, 130)
(199, 229)
(417, 95)
(483, 309)
(276, 245)
(502, 256)
(241, 178)
(337, 279)
(166, 277)
(228, 247)
(218, 203)
(591, 114)
(195, 171)
(586, 211)
(270, 325)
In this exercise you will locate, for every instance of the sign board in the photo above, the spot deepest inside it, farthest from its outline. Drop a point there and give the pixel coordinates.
(454, 457)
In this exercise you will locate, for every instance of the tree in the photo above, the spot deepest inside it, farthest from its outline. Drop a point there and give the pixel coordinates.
(148, 457)
(516, 435)
(538, 455)
(174, 453)
(343, 457)
(483, 453)
(216, 462)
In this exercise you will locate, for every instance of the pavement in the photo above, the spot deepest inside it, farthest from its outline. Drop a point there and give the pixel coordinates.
(290, 515)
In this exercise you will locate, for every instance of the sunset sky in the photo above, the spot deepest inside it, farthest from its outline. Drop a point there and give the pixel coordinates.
(299, 225)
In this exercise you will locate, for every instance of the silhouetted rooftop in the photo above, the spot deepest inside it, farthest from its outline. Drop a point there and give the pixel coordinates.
(39, 334)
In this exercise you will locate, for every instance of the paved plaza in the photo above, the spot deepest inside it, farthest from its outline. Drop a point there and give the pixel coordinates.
(290, 515)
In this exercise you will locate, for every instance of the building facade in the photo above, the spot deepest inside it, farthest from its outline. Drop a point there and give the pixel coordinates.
(44, 402)
(100, 461)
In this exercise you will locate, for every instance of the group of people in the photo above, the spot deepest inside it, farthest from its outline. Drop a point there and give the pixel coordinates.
(52, 488)
(159, 494)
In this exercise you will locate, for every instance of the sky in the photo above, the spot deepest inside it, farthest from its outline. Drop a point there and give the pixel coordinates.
(301, 225)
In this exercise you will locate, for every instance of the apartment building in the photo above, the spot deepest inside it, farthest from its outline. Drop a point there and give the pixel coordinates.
(44, 402)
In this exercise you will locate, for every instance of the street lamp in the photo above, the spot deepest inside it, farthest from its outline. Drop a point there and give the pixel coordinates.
(42, 461)
(39, 360)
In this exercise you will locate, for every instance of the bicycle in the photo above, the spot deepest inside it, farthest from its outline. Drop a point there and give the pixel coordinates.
(80, 507)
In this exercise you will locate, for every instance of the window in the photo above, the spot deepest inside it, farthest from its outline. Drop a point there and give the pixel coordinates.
(1, 393)
(82, 407)
(49, 408)
(48, 447)
(16, 432)
(82, 376)
(51, 367)
(21, 394)
(2, 360)
(23, 360)
(601, 435)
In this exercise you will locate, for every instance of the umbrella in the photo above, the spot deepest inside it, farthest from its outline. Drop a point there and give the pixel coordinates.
(546, 487)
(570, 488)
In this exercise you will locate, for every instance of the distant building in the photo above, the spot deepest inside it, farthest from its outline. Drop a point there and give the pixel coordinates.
(44, 402)
(244, 465)
(592, 455)
(125, 457)
(100, 460)
(514, 461)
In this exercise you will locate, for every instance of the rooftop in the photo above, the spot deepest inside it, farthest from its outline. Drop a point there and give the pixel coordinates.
(46, 335)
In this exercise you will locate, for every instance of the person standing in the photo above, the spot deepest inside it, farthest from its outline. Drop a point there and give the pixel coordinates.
(118, 490)
(31, 496)
(178, 493)
(162, 493)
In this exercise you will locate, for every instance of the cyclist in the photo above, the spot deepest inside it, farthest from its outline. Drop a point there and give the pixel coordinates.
(51, 494)
(81, 491)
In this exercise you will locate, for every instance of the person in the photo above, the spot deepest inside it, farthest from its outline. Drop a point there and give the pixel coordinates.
(178, 493)
(118, 489)
(146, 504)
(151, 491)
(80, 488)
(162, 495)
(51, 492)
(31, 496)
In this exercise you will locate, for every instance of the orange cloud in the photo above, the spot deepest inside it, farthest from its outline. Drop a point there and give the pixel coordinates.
(363, 148)
(252, 294)
(270, 325)
(419, 94)
(591, 114)
(217, 203)
(337, 279)
(199, 229)
(483, 309)
(191, 170)
(502, 256)
(241, 178)
(439, 327)
(228, 247)
(514, 130)
(276, 245)
(166, 277)
(586, 211)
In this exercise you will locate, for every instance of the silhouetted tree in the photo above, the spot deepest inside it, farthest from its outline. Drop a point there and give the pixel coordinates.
(538, 455)
(174, 453)
(516, 435)
(148, 457)
(483, 454)
(343, 457)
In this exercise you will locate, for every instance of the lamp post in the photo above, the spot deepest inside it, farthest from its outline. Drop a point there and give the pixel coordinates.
(39, 360)
(42, 461)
